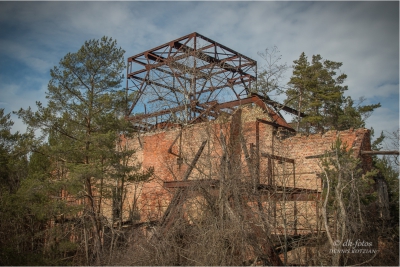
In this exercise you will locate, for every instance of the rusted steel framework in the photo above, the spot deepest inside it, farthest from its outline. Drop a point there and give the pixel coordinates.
(252, 190)
(184, 79)
(194, 79)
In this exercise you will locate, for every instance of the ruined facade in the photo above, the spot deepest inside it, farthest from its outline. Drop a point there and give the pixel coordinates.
(285, 159)
(202, 128)
(187, 93)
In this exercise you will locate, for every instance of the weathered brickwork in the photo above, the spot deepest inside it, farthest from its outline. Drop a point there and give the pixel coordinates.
(301, 148)
(162, 149)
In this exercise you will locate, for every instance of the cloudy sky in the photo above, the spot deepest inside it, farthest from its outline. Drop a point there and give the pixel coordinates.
(34, 36)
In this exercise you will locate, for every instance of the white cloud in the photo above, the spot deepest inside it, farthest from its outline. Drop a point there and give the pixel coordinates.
(26, 55)
(383, 119)
(362, 35)
(16, 96)
(387, 90)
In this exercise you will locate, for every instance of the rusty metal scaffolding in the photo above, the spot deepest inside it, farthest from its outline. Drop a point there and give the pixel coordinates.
(183, 79)
(194, 79)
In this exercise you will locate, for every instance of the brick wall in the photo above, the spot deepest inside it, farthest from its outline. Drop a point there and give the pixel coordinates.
(301, 148)
(153, 151)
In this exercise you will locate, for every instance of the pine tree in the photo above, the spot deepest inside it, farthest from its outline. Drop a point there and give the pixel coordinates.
(318, 91)
(13, 155)
(298, 96)
(25, 206)
(83, 121)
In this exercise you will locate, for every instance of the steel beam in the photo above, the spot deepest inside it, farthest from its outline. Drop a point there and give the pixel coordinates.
(393, 152)
(226, 69)
(275, 104)
(158, 113)
(270, 156)
(277, 125)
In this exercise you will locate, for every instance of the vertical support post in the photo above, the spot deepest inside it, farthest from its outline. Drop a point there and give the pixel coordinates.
(274, 212)
(180, 159)
(295, 202)
(126, 89)
(255, 81)
(234, 146)
(269, 171)
(193, 80)
(255, 171)
(317, 206)
(258, 151)
(273, 178)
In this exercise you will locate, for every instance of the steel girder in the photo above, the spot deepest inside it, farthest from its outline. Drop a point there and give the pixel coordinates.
(173, 80)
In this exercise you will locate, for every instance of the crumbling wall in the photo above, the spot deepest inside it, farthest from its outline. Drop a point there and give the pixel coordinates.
(153, 150)
(307, 150)
(162, 149)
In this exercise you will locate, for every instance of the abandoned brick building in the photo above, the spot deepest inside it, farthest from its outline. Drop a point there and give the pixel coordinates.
(286, 161)
(200, 125)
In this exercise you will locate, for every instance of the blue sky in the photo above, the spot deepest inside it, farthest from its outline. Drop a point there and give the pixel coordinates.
(34, 36)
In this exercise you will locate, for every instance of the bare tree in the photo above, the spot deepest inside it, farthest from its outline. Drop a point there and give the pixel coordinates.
(271, 76)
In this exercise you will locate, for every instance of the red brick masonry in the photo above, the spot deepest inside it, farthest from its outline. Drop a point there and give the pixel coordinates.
(159, 149)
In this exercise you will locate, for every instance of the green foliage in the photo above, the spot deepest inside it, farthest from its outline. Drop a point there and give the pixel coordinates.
(388, 169)
(82, 120)
(391, 176)
(349, 202)
(25, 215)
(82, 127)
(6, 137)
(318, 91)
(13, 154)
(25, 204)
(377, 143)
(343, 172)
(351, 115)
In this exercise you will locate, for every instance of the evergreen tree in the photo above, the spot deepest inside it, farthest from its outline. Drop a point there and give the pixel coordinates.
(348, 203)
(298, 96)
(13, 155)
(84, 121)
(388, 169)
(318, 91)
(25, 205)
